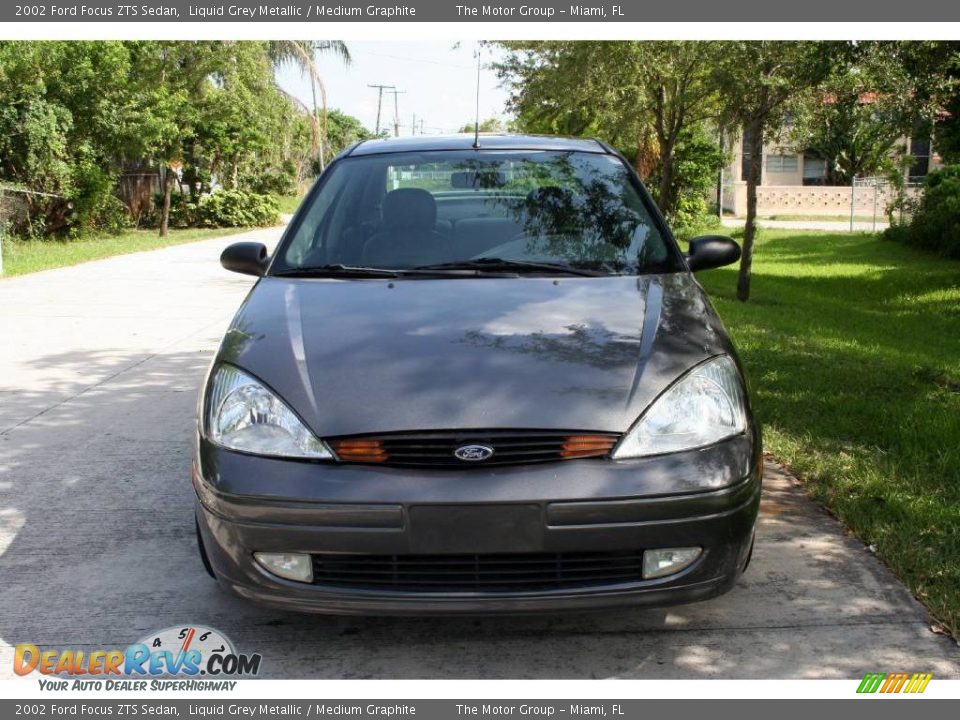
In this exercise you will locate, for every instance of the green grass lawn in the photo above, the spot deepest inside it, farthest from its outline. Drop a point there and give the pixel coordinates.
(852, 347)
(25, 257)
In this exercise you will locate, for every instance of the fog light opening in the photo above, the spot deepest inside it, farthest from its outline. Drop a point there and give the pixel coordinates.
(667, 561)
(291, 566)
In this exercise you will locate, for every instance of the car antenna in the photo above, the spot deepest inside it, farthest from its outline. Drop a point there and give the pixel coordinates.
(476, 121)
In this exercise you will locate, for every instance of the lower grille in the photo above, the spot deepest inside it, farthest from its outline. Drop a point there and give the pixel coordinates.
(502, 447)
(478, 573)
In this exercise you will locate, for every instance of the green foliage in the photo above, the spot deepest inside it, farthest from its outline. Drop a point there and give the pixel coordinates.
(697, 162)
(76, 115)
(236, 208)
(490, 125)
(270, 181)
(856, 117)
(112, 216)
(66, 116)
(644, 97)
(343, 131)
(936, 67)
(224, 208)
(934, 222)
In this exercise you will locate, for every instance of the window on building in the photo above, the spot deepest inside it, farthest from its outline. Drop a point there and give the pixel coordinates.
(814, 170)
(782, 163)
(920, 151)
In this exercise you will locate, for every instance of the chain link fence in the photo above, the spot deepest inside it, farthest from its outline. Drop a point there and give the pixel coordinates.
(885, 197)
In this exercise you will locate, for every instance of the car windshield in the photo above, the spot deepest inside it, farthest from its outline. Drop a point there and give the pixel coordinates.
(525, 211)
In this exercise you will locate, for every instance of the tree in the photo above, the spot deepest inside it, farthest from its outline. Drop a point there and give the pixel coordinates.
(640, 96)
(67, 119)
(345, 130)
(856, 117)
(175, 77)
(934, 67)
(302, 55)
(77, 114)
(758, 79)
(213, 111)
(490, 125)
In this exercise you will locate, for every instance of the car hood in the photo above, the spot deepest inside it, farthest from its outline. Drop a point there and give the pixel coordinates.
(364, 356)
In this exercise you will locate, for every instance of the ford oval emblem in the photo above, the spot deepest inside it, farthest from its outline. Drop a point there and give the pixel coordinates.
(473, 453)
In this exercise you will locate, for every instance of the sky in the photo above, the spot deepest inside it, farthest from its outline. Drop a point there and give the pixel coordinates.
(438, 78)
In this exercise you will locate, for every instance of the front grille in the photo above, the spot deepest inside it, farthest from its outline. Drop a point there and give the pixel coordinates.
(478, 573)
(510, 447)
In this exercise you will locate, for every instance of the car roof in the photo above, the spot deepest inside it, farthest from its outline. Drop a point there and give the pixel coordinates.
(426, 143)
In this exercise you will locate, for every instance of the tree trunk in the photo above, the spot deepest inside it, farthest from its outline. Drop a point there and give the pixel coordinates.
(754, 130)
(167, 193)
(665, 199)
(647, 156)
(318, 143)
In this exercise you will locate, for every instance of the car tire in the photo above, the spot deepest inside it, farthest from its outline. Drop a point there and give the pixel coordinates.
(203, 550)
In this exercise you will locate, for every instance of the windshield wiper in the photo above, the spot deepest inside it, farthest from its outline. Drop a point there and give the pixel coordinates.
(494, 264)
(338, 270)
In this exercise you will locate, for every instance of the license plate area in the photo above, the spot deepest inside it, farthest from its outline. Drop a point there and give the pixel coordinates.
(475, 528)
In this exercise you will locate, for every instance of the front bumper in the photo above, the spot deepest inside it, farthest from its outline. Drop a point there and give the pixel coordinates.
(707, 498)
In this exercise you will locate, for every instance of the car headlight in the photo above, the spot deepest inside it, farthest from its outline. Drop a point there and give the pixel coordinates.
(244, 415)
(703, 407)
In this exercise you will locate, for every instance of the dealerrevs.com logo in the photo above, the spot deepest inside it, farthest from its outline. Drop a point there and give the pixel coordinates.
(185, 652)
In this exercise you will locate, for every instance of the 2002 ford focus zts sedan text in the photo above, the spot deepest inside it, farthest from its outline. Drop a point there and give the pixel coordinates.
(476, 376)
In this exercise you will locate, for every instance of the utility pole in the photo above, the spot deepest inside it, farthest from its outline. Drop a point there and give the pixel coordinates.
(396, 113)
(380, 89)
(413, 125)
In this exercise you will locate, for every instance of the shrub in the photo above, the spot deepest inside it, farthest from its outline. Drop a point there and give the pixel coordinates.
(224, 208)
(113, 216)
(700, 222)
(935, 221)
(236, 208)
(271, 181)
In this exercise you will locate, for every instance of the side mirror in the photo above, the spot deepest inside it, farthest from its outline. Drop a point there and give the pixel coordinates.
(248, 258)
(712, 251)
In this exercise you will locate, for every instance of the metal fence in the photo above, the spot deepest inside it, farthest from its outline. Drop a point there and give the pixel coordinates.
(883, 195)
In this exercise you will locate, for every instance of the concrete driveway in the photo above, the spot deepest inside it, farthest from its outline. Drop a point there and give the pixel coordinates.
(99, 368)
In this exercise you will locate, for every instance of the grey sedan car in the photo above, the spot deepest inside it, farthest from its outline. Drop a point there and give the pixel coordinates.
(476, 375)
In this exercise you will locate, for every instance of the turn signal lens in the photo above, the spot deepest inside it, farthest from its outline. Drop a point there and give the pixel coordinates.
(360, 450)
(586, 446)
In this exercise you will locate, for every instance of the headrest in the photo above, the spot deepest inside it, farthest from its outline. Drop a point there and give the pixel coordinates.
(410, 208)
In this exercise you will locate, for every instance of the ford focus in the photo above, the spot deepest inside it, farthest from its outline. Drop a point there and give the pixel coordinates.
(476, 375)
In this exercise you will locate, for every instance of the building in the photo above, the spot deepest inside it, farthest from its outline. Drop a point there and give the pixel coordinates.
(796, 183)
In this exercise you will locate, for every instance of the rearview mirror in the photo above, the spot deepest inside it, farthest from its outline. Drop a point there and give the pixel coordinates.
(712, 251)
(248, 258)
